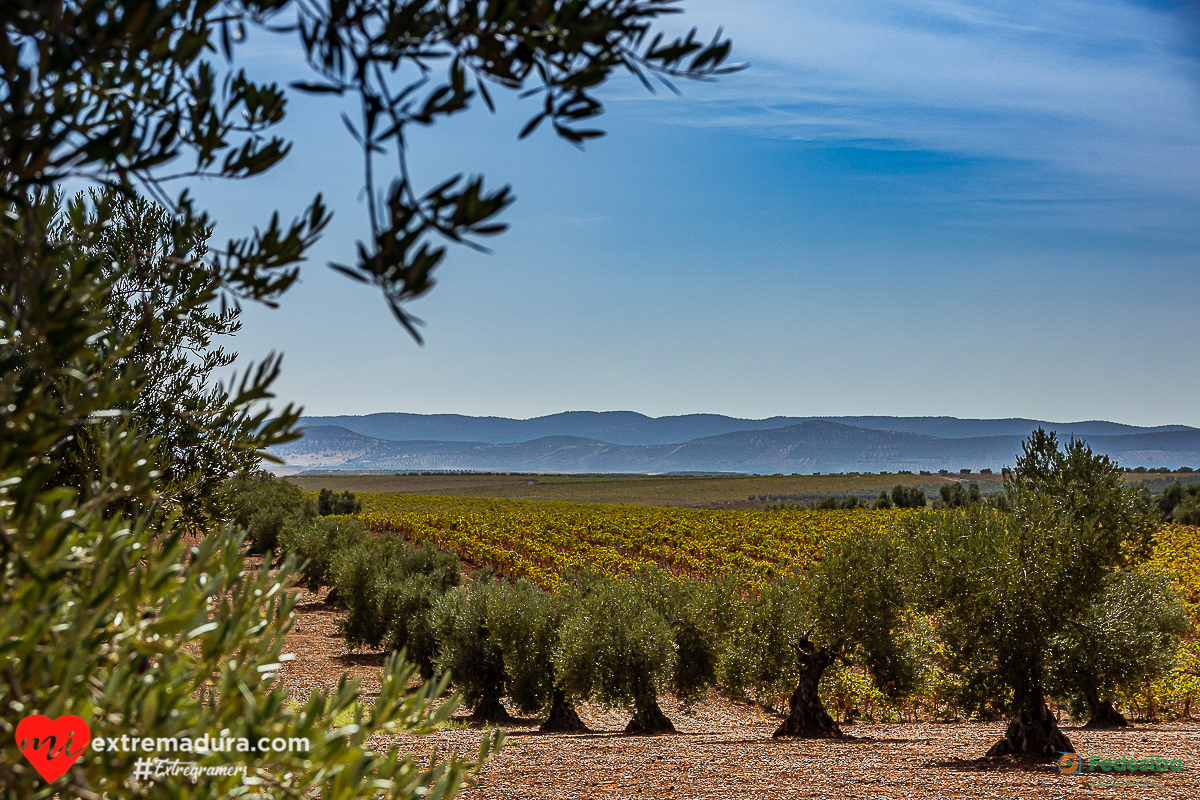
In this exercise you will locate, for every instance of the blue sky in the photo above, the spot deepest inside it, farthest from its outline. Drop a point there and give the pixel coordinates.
(909, 208)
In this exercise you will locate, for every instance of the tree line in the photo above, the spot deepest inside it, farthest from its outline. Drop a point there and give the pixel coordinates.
(950, 495)
(1180, 503)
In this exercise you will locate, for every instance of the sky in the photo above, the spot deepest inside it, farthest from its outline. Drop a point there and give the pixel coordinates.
(899, 208)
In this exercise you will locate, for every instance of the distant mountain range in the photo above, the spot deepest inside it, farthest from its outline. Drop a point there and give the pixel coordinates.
(623, 441)
(631, 428)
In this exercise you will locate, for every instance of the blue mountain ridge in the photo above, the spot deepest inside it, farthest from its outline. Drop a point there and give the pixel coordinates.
(809, 446)
(631, 428)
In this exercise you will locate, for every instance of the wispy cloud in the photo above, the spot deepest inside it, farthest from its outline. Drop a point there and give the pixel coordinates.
(1099, 89)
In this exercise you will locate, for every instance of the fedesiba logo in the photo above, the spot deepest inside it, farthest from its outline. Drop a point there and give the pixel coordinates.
(1075, 764)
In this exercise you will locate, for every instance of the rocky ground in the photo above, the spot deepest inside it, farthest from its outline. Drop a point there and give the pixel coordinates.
(725, 750)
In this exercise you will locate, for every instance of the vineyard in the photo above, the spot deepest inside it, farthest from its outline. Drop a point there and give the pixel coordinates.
(1177, 553)
(543, 540)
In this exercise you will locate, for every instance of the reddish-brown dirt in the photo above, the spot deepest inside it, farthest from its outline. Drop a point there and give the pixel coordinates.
(725, 750)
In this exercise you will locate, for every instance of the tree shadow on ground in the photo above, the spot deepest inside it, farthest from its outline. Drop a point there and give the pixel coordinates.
(317, 605)
(516, 722)
(849, 739)
(994, 764)
(590, 734)
(1141, 727)
(361, 659)
(767, 739)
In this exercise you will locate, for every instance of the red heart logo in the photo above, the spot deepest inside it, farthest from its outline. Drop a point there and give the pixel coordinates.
(50, 744)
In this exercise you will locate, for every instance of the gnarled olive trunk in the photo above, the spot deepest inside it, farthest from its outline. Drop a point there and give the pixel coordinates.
(1104, 715)
(807, 717)
(490, 710)
(648, 718)
(1033, 733)
(562, 718)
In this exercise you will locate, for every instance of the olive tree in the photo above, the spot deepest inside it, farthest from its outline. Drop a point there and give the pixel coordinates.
(526, 621)
(619, 650)
(267, 507)
(1006, 585)
(1180, 503)
(846, 609)
(315, 544)
(700, 614)
(469, 652)
(390, 589)
(329, 503)
(155, 272)
(1128, 636)
(908, 496)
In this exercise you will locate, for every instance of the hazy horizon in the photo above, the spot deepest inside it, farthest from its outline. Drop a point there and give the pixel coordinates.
(748, 419)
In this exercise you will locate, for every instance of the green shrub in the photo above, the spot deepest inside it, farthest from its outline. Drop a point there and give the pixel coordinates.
(758, 659)
(388, 587)
(998, 501)
(1180, 503)
(315, 543)
(955, 496)
(1129, 636)
(526, 621)
(357, 580)
(329, 503)
(692, 610)
(908, 496)
(406, 607)
(442, 568)
(1188, 512)
(467, 649)
(265, 506)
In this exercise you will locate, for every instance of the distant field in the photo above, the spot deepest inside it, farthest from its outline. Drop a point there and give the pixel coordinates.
(724, 491)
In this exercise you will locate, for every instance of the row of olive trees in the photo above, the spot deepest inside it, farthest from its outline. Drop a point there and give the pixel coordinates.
(1044, 602)
(620, 642)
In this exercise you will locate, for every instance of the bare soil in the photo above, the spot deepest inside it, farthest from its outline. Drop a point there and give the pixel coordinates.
(725, 749)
